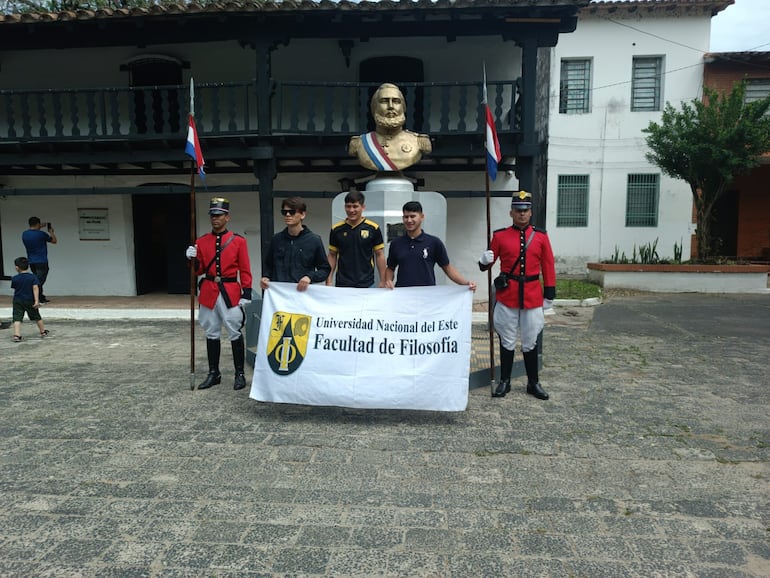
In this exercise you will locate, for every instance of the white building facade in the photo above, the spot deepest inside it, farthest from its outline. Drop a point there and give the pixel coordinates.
(83, 265)
(601, 193)
(609, 80)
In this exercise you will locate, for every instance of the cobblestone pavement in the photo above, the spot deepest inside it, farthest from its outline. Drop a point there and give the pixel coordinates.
(650, 459)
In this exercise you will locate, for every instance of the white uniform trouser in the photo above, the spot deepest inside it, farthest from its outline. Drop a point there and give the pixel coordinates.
(509, 323)
(212, 320)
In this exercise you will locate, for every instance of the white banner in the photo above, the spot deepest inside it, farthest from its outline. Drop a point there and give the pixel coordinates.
(406, 348)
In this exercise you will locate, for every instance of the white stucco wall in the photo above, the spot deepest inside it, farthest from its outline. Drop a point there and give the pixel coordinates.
(78, 267)
(608, 144)
(84, 267)
(107, 267)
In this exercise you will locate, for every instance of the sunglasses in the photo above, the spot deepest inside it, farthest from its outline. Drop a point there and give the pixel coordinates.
(286, 212)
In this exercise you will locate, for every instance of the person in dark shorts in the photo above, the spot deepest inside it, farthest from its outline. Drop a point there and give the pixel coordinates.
(26, 299)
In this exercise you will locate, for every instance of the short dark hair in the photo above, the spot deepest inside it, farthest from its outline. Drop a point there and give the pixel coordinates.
(34, 221)
(412, 207)
(22, 263)
(355, 197)
(296, 203)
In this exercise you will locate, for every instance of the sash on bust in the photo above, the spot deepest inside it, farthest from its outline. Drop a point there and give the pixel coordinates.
(376, 153)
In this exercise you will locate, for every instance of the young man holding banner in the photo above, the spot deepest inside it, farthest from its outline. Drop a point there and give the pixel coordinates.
(416, 254)
(355, 246)
(296, 254)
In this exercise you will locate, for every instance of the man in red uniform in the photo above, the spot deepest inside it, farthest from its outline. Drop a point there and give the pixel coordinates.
(222, 257)
(525, 253)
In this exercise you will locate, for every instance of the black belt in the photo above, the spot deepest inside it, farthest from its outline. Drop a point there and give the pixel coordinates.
(219, 279)
(523, 279)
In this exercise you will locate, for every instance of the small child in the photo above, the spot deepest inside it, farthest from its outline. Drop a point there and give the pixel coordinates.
(26, 298)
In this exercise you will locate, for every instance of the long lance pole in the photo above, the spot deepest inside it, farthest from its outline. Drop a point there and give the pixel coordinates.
(490, 308)
(193, 238)
(490, 311)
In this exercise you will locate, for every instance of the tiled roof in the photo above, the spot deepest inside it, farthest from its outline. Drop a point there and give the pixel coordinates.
(743, 56)
(661, 2)
(273, 6)
(715, 6)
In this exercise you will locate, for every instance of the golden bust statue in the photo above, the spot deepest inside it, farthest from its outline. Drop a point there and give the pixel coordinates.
(389, 147)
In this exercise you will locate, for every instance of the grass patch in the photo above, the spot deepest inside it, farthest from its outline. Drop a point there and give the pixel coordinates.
(577, 289)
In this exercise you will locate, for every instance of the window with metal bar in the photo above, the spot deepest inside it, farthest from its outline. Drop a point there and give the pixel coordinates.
(642, 194)
(646, 83)
(572, 201)
(575, 86)
(756, 89)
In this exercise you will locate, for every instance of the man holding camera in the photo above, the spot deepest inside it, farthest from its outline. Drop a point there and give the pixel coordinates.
(36, 242)
(525, 253)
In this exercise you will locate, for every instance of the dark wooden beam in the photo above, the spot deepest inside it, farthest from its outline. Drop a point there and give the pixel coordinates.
(214, 27)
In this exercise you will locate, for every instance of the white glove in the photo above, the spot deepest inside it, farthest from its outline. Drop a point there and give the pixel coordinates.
(243, 302)
(547, 304)
(487, 257)
(191, 252)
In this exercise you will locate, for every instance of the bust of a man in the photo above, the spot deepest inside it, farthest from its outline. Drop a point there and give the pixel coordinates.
(389, 147)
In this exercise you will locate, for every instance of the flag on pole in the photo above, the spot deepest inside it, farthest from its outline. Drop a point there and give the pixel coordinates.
(193, 147)
(492, 144)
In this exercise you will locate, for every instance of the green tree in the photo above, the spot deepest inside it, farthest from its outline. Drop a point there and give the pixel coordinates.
(708, 143)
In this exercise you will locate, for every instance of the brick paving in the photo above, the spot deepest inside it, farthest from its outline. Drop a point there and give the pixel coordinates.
(651, 459)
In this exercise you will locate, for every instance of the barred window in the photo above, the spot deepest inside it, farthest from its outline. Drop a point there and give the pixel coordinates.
(646, 83)
(642, 200)
(756, 89)
(572, 201)
(574, 86)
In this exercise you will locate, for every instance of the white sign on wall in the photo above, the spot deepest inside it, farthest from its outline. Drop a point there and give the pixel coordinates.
(93, 225)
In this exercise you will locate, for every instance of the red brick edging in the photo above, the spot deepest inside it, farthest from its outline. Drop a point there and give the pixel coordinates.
(636, 267)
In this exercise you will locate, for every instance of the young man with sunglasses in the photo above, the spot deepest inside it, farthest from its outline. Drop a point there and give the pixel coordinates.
(296, 254)
(525, 253)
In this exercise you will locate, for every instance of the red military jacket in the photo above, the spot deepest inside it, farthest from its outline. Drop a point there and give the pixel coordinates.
(232, 266)
(524, 290)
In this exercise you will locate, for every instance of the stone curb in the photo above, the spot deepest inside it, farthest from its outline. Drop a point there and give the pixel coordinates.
(80, 314)
(481, 316)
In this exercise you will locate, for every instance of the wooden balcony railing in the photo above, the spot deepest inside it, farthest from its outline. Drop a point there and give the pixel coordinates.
(230, 109)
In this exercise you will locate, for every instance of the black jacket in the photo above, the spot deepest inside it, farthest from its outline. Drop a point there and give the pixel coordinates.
(291, 258)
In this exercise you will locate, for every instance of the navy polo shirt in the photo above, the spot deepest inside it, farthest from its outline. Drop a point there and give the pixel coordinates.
(22, 287)
(414, 259)
(35, 242)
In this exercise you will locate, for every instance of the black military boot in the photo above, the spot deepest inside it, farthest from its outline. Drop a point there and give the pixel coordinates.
(239, 354)
(533, 382)
(213, 349)
(506, 366)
